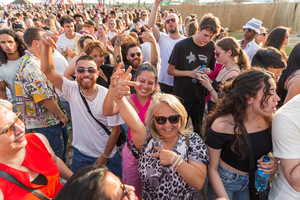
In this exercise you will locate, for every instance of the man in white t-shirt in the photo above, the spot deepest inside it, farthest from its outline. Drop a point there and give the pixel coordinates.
(67, 42)
(92, 145)
(12, 48)
(286, 147)
(144, 17)
(166, 44)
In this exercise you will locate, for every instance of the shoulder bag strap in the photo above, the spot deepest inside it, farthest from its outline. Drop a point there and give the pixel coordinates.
(251, 185)
(13, 179)
(89, 111)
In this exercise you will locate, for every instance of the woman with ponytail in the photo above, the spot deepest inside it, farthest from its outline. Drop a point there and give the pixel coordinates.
(228, 53)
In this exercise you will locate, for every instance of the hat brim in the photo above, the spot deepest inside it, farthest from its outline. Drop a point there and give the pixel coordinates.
(251, 27)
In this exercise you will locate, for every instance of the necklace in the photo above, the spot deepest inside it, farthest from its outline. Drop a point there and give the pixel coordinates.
(91, 97)
(229, 68)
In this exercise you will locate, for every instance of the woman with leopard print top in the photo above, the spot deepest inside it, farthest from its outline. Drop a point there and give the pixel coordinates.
(173, 160)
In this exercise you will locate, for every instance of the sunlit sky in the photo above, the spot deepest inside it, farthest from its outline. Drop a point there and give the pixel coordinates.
(121, 1)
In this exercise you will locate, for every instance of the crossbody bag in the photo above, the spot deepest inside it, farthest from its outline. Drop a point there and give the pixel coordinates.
(122, 136)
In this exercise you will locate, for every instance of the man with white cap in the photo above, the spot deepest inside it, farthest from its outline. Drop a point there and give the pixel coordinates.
(248, 43)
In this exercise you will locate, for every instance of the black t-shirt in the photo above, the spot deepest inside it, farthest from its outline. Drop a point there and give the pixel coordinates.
(187, 55)
(108, 71)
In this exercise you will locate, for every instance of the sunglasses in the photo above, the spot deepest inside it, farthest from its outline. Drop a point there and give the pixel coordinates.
(133, 54)
(247, 29)
(172, 20)
(217, 53)
(125, 192)
(287, 36)
(264, 34)
(89, 70)
(10, 128)
(144, 15)
(161, 120)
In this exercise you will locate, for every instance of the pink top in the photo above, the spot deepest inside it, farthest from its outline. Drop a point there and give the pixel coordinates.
(142, 113)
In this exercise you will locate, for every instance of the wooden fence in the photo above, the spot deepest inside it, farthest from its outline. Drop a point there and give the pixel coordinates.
(234, 16)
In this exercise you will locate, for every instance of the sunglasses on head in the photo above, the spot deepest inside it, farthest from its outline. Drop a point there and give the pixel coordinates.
(172, 20)
(89, 70)
(133, 54)
(161, 120)
(247, 29)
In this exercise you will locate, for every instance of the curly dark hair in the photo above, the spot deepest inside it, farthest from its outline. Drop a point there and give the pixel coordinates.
(19, 41)
(234, 102)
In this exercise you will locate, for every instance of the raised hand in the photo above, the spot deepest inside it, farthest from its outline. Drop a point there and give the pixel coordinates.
(121, 37)
(116, 76)
(48, 39)
(122, 88)
(147, 36)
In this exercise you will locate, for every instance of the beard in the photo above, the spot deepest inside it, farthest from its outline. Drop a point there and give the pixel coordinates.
(173, 29)
(134, 64)
(86, 86)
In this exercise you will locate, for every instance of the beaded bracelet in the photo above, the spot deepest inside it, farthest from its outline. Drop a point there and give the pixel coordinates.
(176, 161)
(172, 158)
(180, 162)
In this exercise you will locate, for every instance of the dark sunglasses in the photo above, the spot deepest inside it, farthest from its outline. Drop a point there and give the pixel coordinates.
(133, 54)
(264, 34)
(125, 192)
(89, 70)
(161, 120)
(144, 15)
(287, 36)
(247, 29)
(172, 20)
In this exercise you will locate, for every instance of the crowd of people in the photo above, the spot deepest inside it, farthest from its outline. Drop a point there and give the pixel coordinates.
(197, 109)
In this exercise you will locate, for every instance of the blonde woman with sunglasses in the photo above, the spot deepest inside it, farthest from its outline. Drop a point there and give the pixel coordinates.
(173, 160)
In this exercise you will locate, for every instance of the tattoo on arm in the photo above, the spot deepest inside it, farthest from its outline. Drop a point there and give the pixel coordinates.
(118, 59)
(118, 41)
(294, 168)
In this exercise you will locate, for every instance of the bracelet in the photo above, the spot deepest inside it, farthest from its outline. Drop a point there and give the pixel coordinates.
(180, 162)
(178, 158)
(172, 158)
(211, 90)
(105, 156)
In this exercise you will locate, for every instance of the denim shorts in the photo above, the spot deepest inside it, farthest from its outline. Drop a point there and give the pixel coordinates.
(236, 185)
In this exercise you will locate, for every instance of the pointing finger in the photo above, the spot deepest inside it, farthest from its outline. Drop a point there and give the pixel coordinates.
(157, 148)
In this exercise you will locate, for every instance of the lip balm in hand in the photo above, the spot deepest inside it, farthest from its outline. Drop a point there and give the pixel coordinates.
(201, 69)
